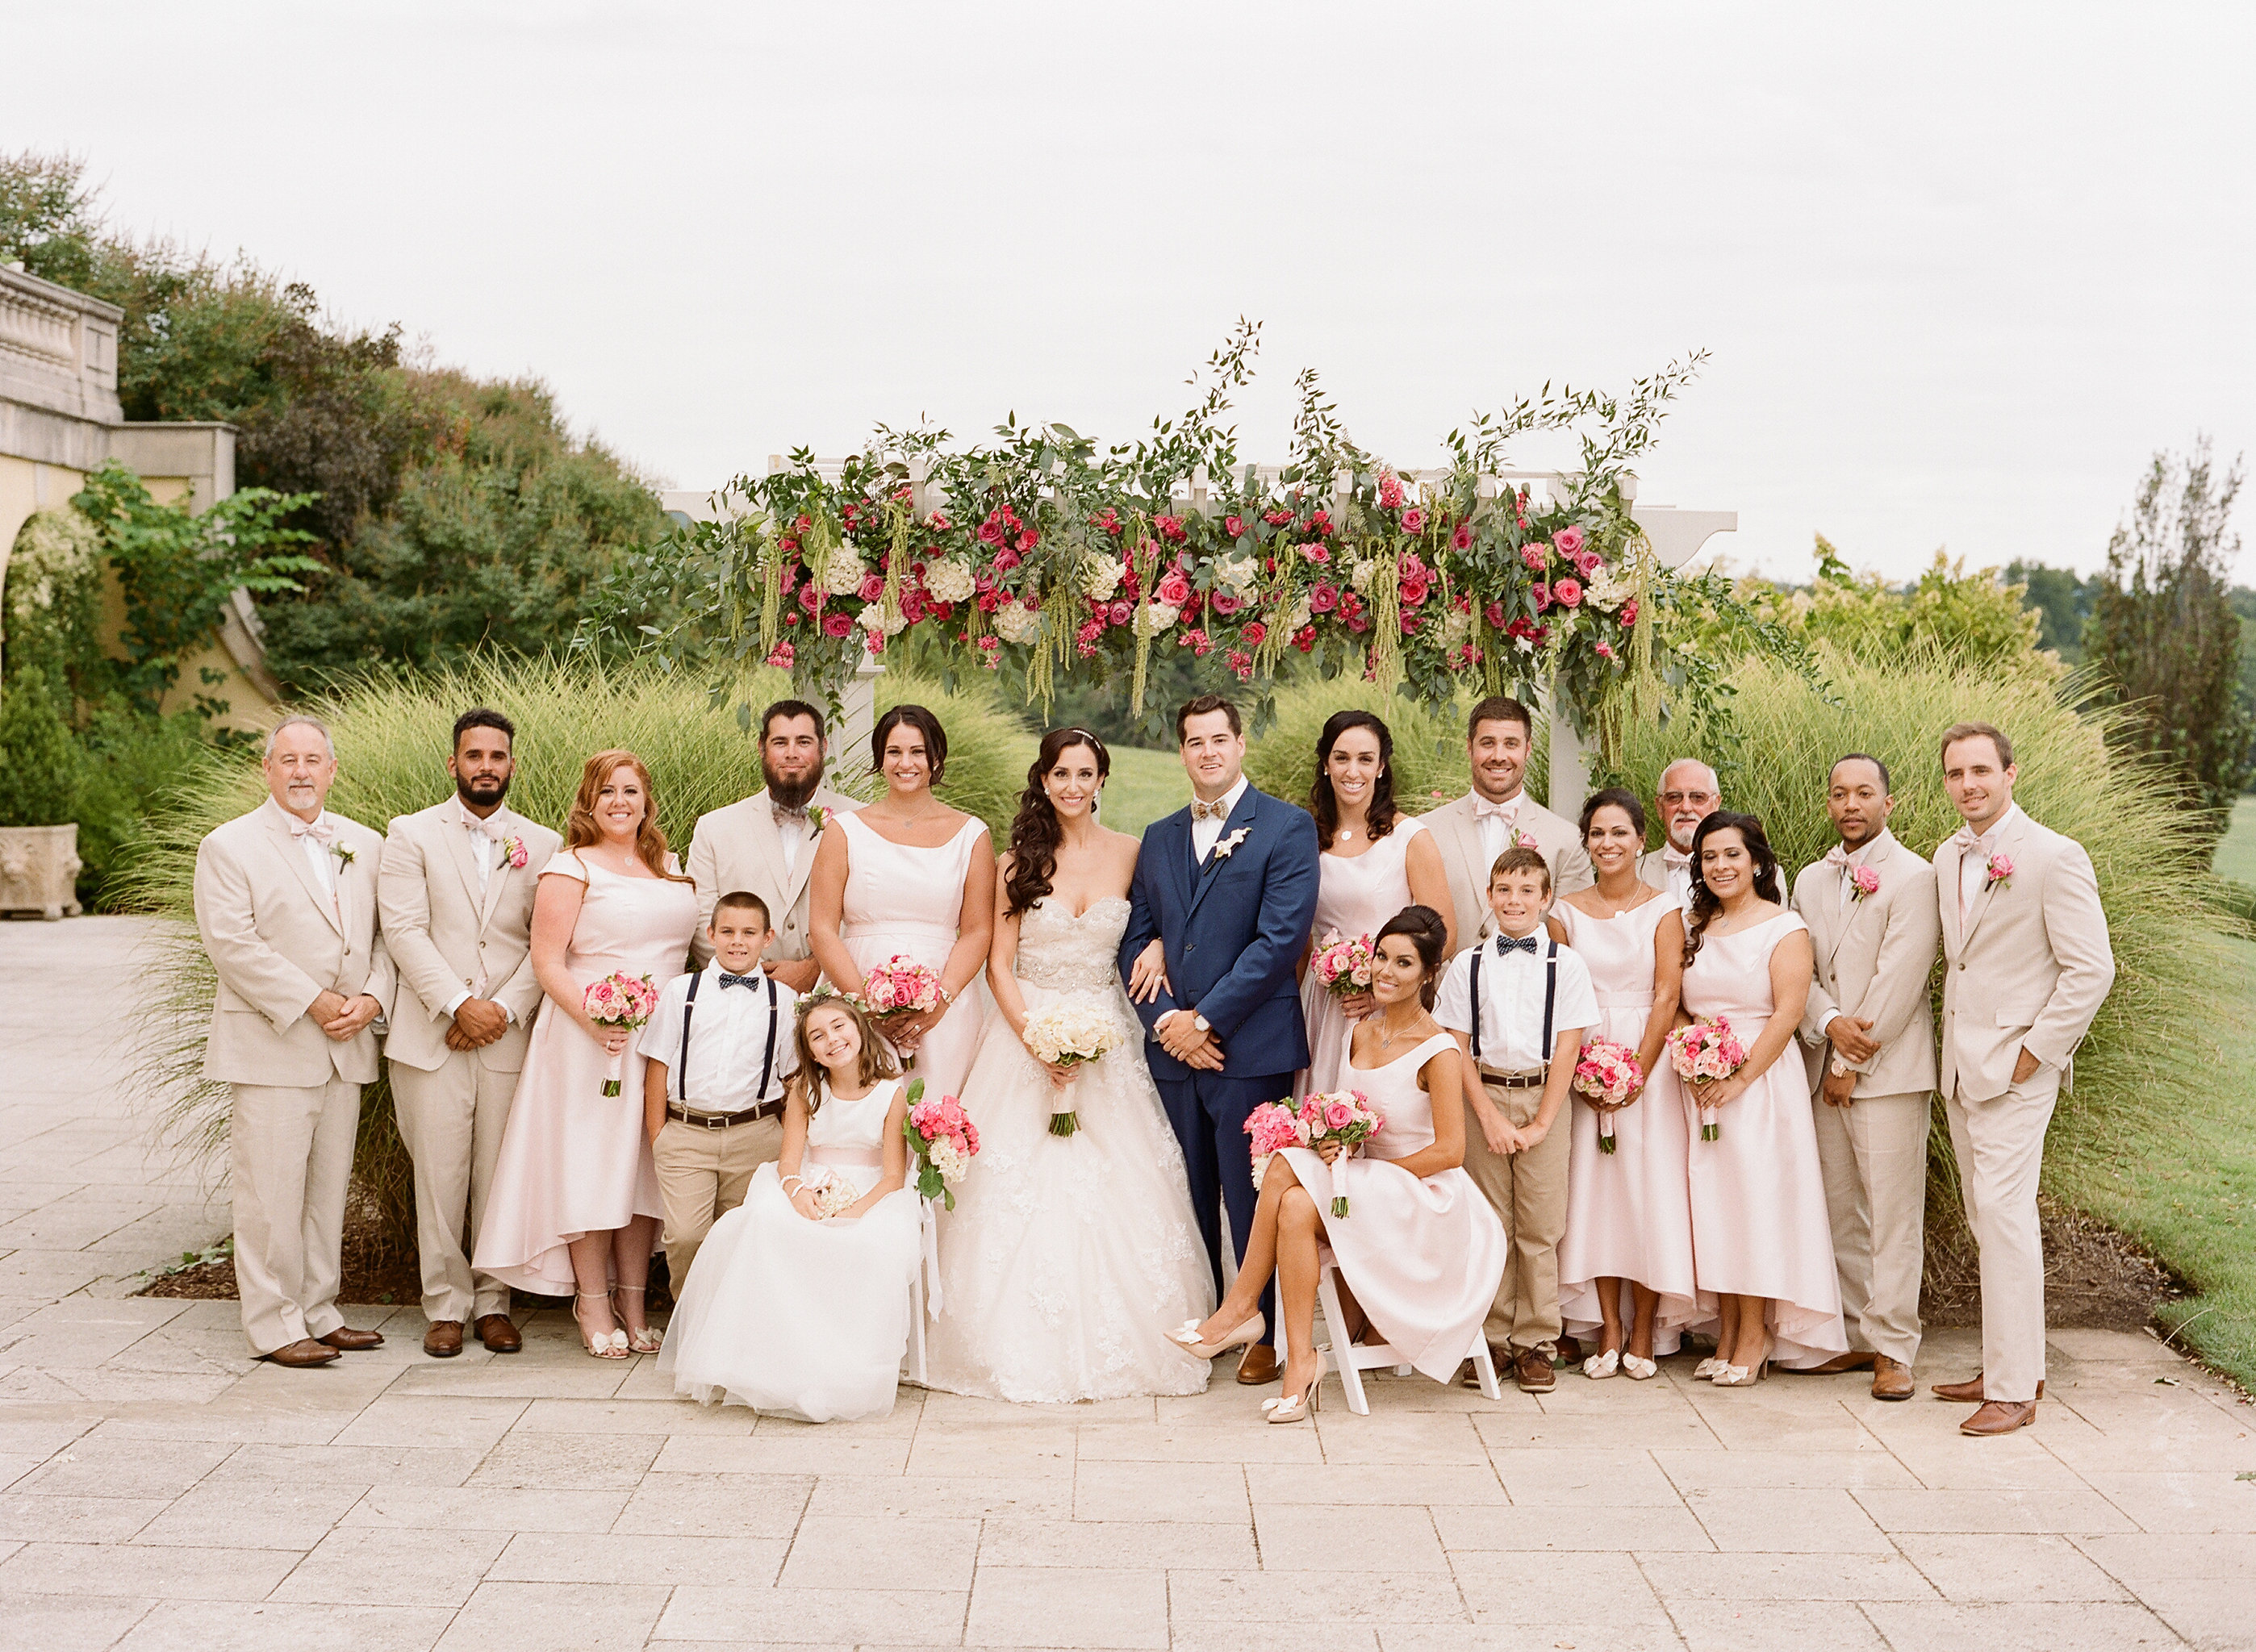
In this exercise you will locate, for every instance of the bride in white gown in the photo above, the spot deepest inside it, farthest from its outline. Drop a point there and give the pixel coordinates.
(1065, 1256)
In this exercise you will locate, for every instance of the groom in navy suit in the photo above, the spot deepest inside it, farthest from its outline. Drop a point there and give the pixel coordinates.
(1228, 888)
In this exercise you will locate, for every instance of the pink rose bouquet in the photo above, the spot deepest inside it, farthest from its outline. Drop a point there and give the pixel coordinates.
(1273, 1126)
(1607, 1072)
(898, 985)
(1704, 1051)
(942, 1140)
(1344, 1116)
(1343, 964)
(619, 999)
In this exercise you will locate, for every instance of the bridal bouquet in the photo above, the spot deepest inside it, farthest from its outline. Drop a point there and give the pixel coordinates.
(1067, 1033)
(619, 999)
(899, 984)
(1345, 1116)
(834, 1196)
(1706, 1050)
(1608, 1073)
(1343, 964)
(1273, 1125)
(941, 1139)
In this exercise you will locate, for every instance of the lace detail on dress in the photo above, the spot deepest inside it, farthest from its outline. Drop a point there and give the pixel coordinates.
(1066, 953)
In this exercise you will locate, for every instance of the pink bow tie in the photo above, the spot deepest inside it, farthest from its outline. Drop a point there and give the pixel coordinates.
(1966, 840)
(321, 830)
(1483, 809)
(1836, 856)
(1672, 857)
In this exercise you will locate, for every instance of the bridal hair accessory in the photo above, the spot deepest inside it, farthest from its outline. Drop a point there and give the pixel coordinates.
(1066, 1035)
(1706, 1050)
(1608, 1073)
(619, 999)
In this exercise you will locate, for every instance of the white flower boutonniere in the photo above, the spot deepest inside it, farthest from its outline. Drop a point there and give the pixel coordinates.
(1222, 850)
(343, 852)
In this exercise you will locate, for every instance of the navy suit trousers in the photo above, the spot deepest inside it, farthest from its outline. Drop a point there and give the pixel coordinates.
(1207, 1111)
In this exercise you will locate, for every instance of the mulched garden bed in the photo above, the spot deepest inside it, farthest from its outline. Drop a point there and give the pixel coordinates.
(2096, 1279)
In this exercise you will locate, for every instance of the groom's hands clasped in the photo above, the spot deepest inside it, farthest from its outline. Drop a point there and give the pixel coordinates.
(1179, 1035)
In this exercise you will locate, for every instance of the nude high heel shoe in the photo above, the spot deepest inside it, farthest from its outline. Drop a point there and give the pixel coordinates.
(1185, 1336)
(1296, 1408)
(603, 1345)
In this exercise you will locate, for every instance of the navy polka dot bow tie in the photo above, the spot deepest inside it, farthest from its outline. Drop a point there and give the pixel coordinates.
(727, 980)
(1506, 945)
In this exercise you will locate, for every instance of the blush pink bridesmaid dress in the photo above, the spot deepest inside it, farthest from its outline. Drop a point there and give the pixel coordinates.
(904, 899)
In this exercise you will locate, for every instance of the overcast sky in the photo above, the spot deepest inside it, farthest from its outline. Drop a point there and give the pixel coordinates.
(1962, 269)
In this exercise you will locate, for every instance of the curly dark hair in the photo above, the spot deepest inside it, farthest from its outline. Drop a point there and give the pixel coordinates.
(1382, 814)
(1035, 832)
(1705, 906)
(1423, 928)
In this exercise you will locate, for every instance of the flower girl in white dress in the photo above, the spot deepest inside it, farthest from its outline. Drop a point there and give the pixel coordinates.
(798, 1302)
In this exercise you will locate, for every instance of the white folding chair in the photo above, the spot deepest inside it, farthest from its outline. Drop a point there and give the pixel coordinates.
(1353, 1359)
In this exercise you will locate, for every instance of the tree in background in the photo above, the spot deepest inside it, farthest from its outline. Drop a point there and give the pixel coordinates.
(2164, 637)
(2063, 600)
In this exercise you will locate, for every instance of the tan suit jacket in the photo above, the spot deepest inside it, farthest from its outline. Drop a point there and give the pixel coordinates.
(1457, 834)
(277, 941)
(736, 848)
(1653, 868)
(1873, 960)
(2030, 966)
(445, 938)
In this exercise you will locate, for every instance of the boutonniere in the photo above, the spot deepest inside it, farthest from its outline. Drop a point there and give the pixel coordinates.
(1525, 841)
(817, 817)
(1222, 850)
(1863, 882)
(343, 852)
(1998, 874)
(514, 852)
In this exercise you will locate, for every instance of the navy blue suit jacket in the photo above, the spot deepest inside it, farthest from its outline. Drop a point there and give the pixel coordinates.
(1233, 929)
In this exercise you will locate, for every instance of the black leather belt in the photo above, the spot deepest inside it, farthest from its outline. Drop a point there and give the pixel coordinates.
(722, 1121)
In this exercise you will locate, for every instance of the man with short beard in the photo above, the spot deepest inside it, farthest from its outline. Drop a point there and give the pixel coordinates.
(765, 843)
(455, 893)
(1688, 794)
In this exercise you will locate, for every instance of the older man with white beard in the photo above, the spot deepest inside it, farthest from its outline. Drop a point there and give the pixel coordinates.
(1688, 794)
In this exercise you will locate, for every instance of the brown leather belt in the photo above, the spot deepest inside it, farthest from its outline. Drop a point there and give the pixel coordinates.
(722, 1121)
(1515, 1081)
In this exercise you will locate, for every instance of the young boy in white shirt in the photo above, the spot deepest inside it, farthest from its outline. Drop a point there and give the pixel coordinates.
(720, 1048)
(1519, 1005)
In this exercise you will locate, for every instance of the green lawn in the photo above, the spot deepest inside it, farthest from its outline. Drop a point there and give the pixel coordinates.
(1144, 785)
(2236, 856)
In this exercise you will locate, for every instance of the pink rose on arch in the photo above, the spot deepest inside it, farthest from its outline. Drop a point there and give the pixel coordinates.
(991, 532)
(1414, 590)
(1174, 590)
(1589, 562)
(872, 587)
(1629, 612)
(1463, 539)
(1413, 520)
(1541, 592)
(1254, 634)
(836, 624)
(810, 597)
(1315, 553)
(1323, 597)
(1005, 560)
(1234, 526)
(1494, 614)
(1568, 539)
(1121, 612)
(1223, 602)
(1605, 651)
(1569, 590)
(1536, 555)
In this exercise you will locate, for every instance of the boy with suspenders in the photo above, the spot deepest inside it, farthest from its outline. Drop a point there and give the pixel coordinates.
(1519, 1005)
(719, 1049)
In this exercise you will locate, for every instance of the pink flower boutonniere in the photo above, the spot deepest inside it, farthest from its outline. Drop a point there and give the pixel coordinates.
(1525, 841)
(1863, 882)
(2000, 875)
(514, 853)
(817, 818)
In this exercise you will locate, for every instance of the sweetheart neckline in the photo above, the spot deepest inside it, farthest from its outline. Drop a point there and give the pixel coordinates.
(1075, 917)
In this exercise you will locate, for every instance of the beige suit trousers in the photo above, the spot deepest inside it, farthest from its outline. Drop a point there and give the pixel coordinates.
(2001, 1148)
(290, 1152)
(452, 1122)
(1528, 1193)
(703, 1175)
(1873, 1154)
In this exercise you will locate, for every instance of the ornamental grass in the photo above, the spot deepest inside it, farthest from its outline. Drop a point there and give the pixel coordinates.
(392, 737)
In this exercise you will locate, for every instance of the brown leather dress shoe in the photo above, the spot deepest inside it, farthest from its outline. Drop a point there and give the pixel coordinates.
(1852, 1361)
(499, 1335)
(444, 1339)
(1971, 1393)
(1258, 1366)
(1501, 1358)
(1891, 1379)
(2001, 1417)
(302, 1355)
(1531, 1368)
(1571, 1349)
(352, 1340)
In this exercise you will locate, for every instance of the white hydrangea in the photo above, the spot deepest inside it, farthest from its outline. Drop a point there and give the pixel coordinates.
(845, 573)
(949, 580)
(1525, 645)
(1608, 589)
(1014, 623)
(1301, 615)
(1456, 628)
(873, 618)
(1155, 617)
(1101, 577)
(1238, 574)
(1360, 579)
(949, 1159)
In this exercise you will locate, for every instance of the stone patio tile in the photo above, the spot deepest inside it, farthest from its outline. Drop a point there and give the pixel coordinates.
(806, 1452)
(81, 1520)
(1036, 1451)
(1796, 1626)
(1584, 1590)
(60, 1623)
(376, 1465)
(109, 1467)
(343, 1385)
(1558, 1628)
(461, 1508)
(1067, 1607)
(2208, 1502)
(2111, 1348)
(1356, 1483)
(370, 1566)
(1806, 1471)
(1324, 1637)
(514, 1377)
(1172, 1443)
(197, 1351)
(1769, 1519)
(1435, 1437)
(615, 1557)
(1995, 1511)
(1943, 1627)
(963, 1410)
(1958, 1464)
(39, 1434)
(860, 1617)
(1513, 1427)
(72, 1224)
(1785, 1576)
(144, 1571)
(82, 1332)
(2008, 1566)
(1747, 1423)
(556, 1617)
(1307, 1536)
(269, 1627)
(108, 1387)
(1166, 1491)
(1544, 1476)
(288, 1514)
(2149, 1563)
(719, 1505)
(995, 1498)
(1566, 1527)
(571, 1462)
(844, 1551)
(14, 1466)
(227, 1420)
(631, 1416)
(1131, 1544)
(1381, 1595)
(410, 1419)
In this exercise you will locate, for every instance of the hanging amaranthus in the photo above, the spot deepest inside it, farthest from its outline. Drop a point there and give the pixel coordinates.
(1143, 557)
(1385, 594)
(899, 518)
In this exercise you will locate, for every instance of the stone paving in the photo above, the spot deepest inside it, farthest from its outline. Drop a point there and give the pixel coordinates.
(160, 1490)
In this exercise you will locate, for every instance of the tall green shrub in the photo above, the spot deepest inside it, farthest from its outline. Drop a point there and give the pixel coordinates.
(42, 761)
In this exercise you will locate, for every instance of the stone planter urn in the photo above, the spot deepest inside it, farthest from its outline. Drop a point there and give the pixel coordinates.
(39, 870)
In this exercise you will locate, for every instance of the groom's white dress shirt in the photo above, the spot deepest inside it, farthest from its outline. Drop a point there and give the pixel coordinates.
(1205, 833)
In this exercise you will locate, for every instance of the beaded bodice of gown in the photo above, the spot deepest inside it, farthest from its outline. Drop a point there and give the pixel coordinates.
(1063, 952)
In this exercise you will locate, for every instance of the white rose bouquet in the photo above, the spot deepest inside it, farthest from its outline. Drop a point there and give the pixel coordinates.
(1065, 1035)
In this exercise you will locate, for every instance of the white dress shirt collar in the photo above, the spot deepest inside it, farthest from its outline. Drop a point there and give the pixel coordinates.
(1205, 833)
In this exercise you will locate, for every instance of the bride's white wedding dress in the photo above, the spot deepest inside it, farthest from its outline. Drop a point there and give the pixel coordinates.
(1067, 1257)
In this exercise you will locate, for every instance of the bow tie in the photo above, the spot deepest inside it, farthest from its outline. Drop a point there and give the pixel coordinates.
(1483, 809)
(489, 828)
(1838, 855)
(1218, 810)
(1674, 858)
(727, 980)
(1968, 840)
(783, 814)
(321, 830)
(1507, 946)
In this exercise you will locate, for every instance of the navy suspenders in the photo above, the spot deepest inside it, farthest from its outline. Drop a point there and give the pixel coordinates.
(767, 1058)
(1550, 995)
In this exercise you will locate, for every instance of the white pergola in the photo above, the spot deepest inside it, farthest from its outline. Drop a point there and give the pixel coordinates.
(1676, 535)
